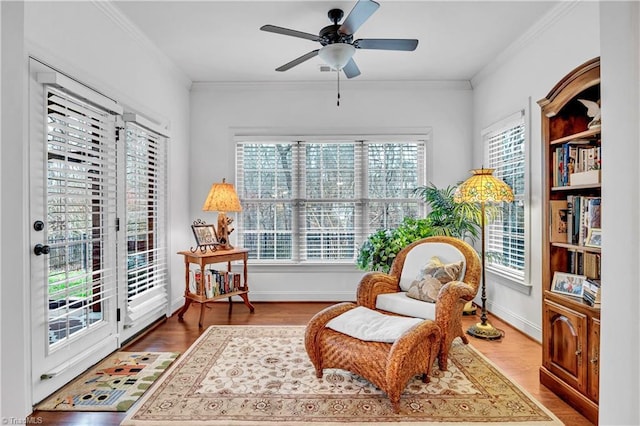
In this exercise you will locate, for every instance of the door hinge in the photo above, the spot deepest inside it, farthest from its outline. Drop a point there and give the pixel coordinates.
(118, 315)
(117, 224)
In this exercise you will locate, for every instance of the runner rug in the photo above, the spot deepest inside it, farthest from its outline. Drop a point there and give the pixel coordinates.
(114, 384)
(261, 375)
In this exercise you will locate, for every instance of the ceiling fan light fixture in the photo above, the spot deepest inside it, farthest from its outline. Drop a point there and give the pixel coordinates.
(337, 55)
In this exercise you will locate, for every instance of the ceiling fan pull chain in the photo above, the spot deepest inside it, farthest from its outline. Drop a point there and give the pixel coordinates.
(338, 102)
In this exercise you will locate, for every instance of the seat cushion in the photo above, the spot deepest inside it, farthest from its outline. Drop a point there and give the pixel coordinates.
(420, 255)
(399, 303)
(372, 326)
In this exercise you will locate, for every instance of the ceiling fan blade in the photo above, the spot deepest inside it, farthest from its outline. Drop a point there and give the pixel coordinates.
(386, 44)
(358, 15)
(298, 61)
(351, 69)
(287, 31)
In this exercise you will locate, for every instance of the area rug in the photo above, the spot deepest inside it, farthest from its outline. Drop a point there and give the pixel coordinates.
(261, 375)
(114, 384)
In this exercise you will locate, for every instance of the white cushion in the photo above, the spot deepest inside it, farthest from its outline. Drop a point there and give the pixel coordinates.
(399, 303)
(421, 254)
(367, 324)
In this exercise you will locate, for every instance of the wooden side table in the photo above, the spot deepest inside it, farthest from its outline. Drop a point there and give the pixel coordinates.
(202, 259)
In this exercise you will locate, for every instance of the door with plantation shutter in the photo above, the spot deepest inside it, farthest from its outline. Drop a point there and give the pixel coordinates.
(73, 212)
(145, 292)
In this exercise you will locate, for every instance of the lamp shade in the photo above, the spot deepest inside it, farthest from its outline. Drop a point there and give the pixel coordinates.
(337, 55)
(222, 198)
(483, 187)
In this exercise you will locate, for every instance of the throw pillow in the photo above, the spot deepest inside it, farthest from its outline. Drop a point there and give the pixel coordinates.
(432, 277)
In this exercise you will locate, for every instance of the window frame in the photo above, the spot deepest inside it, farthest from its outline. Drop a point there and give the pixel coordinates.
(518, 280)
(361, 219)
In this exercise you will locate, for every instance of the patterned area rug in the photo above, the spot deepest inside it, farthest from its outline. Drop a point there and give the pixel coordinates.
(112, 385)
(261, 375)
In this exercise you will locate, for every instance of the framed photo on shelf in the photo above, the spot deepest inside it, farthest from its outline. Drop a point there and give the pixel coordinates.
(205, 234)
(594, 238)
(569, 284)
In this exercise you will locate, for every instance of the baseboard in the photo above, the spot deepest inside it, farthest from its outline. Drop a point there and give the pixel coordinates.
(285, 296)
(516, 321)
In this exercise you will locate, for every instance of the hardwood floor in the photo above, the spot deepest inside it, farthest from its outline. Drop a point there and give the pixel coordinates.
(516, 355)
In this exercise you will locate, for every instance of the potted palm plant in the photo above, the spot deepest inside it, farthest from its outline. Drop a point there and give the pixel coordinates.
(445, 217)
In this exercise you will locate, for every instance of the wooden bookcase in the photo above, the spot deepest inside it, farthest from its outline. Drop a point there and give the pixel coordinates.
(570, 325)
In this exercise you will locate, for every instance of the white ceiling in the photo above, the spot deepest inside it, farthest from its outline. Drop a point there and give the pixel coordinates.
(221, 41)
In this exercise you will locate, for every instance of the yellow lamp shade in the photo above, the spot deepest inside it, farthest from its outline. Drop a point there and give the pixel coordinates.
(222, 198)
(483, 187)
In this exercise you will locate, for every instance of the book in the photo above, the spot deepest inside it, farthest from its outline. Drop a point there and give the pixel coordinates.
(593, 210)
(591, 265)
(591, 292)
(558, 221)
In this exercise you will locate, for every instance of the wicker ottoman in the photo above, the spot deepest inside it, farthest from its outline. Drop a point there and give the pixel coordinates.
(389, 366)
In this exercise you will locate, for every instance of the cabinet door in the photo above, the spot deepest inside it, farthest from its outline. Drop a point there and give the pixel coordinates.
(564, 346)
(593, 375)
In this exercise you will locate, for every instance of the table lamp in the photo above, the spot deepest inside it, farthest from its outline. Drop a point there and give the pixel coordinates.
(222, 198)
(482, 187)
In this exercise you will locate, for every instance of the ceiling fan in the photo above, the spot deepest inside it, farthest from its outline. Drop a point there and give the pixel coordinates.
(338, 45)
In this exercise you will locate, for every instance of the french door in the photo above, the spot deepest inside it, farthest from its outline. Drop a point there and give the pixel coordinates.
(73, 232)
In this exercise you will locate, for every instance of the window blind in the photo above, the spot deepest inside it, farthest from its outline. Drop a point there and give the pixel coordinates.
(316, 200)
(81, 211)
(505, 145)
(146, 251)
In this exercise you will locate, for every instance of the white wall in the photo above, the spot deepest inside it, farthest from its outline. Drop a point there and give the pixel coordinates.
(565, 39)
(220, 110)
(92, 43)
(14, 343)
(620, 326)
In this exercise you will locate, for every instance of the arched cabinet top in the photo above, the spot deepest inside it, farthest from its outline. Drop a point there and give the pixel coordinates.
(581, 78)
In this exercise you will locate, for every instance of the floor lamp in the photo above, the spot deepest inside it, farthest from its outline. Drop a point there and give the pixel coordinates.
(482, 187)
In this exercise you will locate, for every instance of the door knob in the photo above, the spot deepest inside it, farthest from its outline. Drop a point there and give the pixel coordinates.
(40, 249)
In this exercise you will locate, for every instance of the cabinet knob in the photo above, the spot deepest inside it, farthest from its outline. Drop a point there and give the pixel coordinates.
(579, 352)
(594, 360)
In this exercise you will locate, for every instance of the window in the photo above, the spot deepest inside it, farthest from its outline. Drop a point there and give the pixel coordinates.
(505, 147)
(315, 200)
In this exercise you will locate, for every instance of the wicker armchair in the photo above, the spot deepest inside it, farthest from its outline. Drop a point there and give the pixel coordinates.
(387, 292)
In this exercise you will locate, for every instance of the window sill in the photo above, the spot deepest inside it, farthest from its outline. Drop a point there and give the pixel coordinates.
(306, 267)
(507, 280)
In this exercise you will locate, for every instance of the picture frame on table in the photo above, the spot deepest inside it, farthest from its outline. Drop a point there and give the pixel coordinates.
(205, 234)
(594, 238)
(569, 284)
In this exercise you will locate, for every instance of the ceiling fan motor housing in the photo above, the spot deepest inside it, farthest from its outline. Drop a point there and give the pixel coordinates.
(330, 35)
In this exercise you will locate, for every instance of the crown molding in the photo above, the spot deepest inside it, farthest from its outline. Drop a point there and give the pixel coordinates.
(115, 14)
(203, 86)
(550, 18)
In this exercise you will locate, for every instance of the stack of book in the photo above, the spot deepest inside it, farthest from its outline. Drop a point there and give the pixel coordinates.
(576, 162)
(215, 283)
(591, 292)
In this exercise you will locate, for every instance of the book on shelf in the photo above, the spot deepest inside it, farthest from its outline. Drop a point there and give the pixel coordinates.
(208, 284)
(194, 276)
(222, 282)
(591, 265)
(583, 214)
(558, 222)
(591, 292)
(575, 161)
